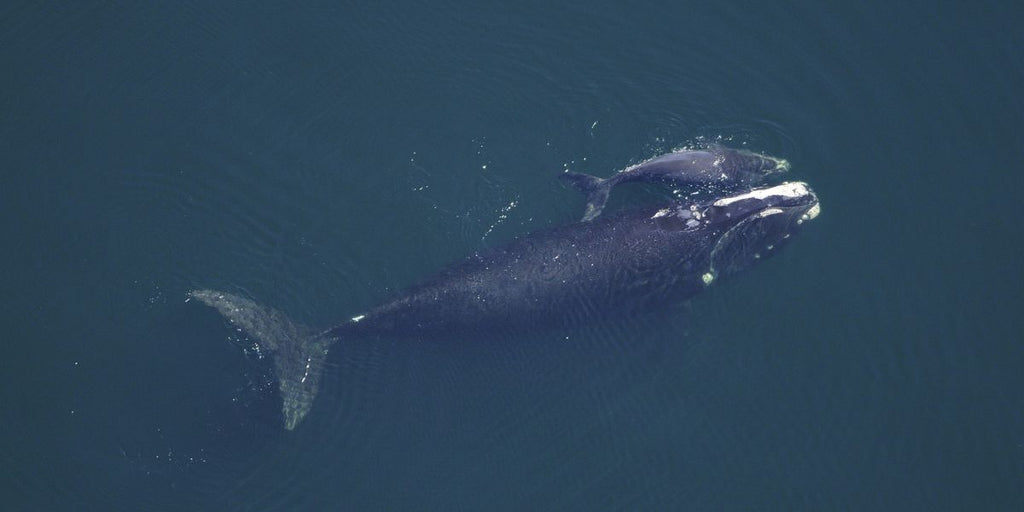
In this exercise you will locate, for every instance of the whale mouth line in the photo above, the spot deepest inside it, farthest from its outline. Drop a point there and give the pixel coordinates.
(722, 242)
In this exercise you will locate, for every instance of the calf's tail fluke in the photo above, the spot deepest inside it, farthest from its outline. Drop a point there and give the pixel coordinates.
(595, 188)
(298, 353)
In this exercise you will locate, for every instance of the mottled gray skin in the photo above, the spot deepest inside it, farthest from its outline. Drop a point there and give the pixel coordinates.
(621, 264)
(724, 168)
(298, 353)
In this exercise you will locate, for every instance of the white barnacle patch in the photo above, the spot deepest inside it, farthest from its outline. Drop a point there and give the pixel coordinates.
(708, 277)
(358, 318)
(813, 212)
(661, 213)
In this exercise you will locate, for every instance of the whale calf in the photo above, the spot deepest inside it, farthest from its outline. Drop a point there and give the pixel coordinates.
(624, 263)
(726, 168)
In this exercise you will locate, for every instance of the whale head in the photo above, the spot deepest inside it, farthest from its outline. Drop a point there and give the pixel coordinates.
(745, 166)
(753, 225)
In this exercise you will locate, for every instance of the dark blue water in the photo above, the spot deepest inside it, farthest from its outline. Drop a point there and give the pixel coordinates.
(318, 158)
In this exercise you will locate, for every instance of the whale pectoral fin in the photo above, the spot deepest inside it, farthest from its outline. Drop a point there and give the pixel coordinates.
(594, 208)
(298, 354)
(596, 189)
(583, 182)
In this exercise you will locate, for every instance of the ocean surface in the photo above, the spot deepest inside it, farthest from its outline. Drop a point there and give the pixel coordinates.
(319, 157)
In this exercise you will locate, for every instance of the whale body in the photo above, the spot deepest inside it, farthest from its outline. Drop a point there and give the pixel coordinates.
(717, 167)
(625, 263)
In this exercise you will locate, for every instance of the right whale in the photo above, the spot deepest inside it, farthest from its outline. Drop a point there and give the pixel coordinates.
(626, 263)
(726, 168)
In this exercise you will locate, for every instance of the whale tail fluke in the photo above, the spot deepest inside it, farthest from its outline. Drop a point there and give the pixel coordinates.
(595, 188)
(298, 353)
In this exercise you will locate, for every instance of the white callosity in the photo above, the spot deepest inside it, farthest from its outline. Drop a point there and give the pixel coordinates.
(790, 189)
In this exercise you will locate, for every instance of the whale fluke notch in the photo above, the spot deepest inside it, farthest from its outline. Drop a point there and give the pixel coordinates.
(298, 353)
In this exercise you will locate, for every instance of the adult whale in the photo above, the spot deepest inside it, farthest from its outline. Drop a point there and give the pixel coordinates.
(620, 264)
(716, 168)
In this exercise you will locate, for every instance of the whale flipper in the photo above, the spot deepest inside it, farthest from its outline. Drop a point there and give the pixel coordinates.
(298, 353)
(595, 188)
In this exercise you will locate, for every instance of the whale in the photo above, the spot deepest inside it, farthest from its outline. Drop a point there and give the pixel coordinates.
(630, 262)
(717, 168)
